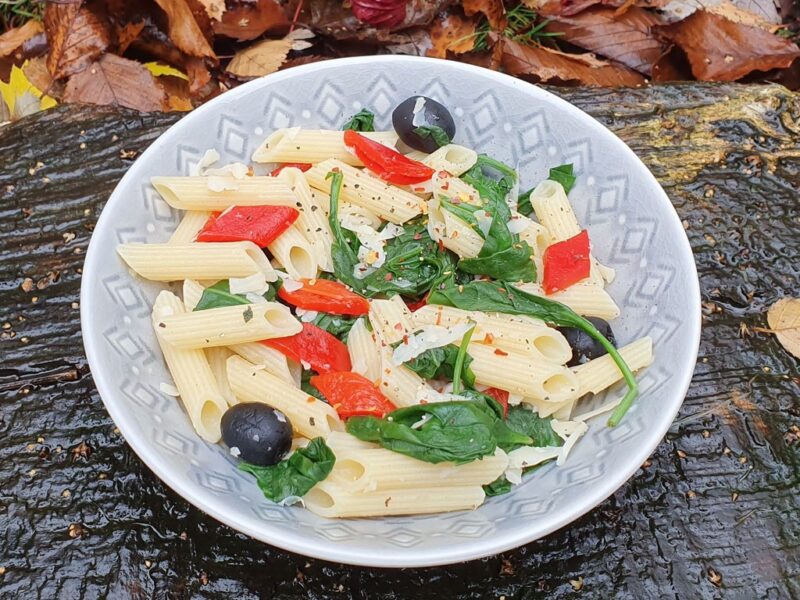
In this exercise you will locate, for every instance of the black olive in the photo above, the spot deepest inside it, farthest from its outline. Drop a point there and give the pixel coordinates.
(584, 347)
(429, 114)
(257, 433)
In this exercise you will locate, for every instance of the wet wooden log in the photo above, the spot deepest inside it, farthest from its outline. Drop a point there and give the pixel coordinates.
(713, 512)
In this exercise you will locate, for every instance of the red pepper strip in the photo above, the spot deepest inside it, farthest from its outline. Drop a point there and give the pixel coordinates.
(501, 396)
(386, 163)
(327, 296)
(315, 347)
(352, 395)
(415, 306)
(302, 166)
(258, 224)
(566, 262)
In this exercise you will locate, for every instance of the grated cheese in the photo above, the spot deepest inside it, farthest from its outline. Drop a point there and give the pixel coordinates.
(291, 285)
(428, 337)
(306, 316)
(220, 184)
(255, 283)
(209, 157)
(168, 389)
(484, 220)
(518, 224)
(528, 456)
(418, 112)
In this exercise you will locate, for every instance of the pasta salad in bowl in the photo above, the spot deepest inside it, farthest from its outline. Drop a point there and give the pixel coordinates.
(377, 321)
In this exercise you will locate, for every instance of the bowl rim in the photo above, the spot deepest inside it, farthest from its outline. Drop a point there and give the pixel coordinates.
(388, 557)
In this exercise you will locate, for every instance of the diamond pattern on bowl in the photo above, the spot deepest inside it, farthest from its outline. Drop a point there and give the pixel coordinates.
(632, 224)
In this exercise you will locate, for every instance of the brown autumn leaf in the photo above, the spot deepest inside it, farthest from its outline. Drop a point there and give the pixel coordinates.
(36, 71)
(625, 37)
(784, 321)
(671, 66)
(184, 30)
(249, 20)
(214, 8)
(127, 34)
(454, 34)
(763, 11)
(200, 82)
(494, 11)
(76, 36)
(262, 58)
(552, 8)
(14, 38)
(116, 81)
(721, 50)
(546, 65)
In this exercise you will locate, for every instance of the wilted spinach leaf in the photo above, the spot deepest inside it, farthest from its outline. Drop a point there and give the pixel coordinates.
(363, 120)
(219, 295)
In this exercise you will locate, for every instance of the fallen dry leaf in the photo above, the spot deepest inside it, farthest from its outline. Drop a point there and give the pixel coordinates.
(543, 64)
(116, 81)
(761, 10)
(214, 8)
(249, 20)
(36, 71)
(721, 50)
(127, 34)
(262, 58)
(184, 31)
(784, 321)
(551, 8)
(21, 97)
(413, 42)
(626, 37)
(494, 11)
(199, 76)
(454, 34)
(14, 38)
(671, 66)
(76, 36)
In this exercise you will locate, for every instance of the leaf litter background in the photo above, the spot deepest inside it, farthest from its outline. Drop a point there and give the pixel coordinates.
(173, 55)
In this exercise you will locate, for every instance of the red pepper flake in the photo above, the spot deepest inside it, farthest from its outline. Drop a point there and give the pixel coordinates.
(441, 246)
(398, 326)
(310, 399)
(418, 236)
(388, 277)
(500, 352)
(405, 339)
(488, 338)
(446, 185)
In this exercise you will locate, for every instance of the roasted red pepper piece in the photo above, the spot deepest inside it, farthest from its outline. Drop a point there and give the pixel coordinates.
(566, 262)
(258, 224)
(352, 395)
(417, 304)
(302, 166)
(386, 163)
(315, 347)
(327, 296)
(500, 395)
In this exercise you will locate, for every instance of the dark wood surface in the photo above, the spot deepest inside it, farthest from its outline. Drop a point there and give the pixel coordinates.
(714, 513)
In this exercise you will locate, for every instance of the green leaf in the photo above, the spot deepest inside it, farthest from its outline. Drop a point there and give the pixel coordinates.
(528, 422)
(524, 203)
(363, 120)
(336, 325)
(306, 387)
(438, 134)
(563, 174)
(502, 296)
(498, 487)
(457, 431)
(219, 295)
(439, 363)
(294, 477)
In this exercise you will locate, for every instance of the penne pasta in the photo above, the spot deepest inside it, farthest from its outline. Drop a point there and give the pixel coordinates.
(191, 373)
(196, 193)
(172, 262)
(364, 351)
(328, 499)
(217, 359)
(341, 441)
(296, 145)
(586, 299)
(295, 254)
(273, 361)
(390, 319)
(191, 223)
(360, 469)
(452, 158)
(601, 373)
(192, 292)
(309, 417)
(312, 221)
(228, 325)
(399, 383)
(359, 187)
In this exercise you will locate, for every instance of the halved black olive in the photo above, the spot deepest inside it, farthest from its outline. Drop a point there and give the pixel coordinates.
(584, 347)
(257, 433)
(420, 122)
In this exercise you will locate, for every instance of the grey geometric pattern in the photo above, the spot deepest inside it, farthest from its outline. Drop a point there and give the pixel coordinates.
(634, 229)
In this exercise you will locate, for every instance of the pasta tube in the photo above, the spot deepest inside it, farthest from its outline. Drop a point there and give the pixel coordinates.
(295, 254)
(296, 145)
(216, 193)
(191, 223)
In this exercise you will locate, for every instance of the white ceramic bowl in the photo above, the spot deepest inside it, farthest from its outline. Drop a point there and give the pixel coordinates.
(634, 229)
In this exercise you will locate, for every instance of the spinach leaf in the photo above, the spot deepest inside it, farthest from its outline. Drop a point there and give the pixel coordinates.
(306, 387)
(459, 431)
(502, 296)
(296, 476)
(524, 203)
(219, 295)
(528, 422)
(437, 363)
(335, 324)
(503, 255)
(563, 174)
(461, 361)
(363, 120)
(438, 134)
(498, 487)
(414, 262)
